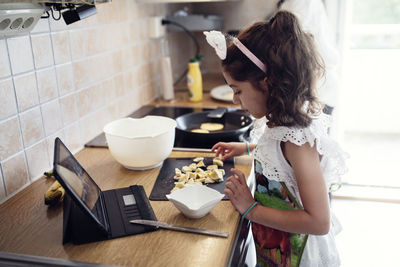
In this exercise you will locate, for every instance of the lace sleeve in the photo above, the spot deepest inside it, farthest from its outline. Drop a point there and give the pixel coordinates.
(333, 157)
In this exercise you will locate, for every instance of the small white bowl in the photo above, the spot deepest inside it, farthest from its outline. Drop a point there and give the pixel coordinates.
(195, 201)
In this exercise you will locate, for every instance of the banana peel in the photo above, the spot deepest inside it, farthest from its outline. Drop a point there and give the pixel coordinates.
(54, 195)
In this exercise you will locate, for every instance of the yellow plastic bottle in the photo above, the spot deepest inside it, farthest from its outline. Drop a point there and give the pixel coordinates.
(194, 81)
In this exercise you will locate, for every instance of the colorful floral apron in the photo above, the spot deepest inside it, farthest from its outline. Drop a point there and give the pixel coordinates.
(275, 247)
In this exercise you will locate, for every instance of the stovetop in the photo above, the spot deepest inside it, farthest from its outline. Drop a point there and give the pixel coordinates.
(171, 112)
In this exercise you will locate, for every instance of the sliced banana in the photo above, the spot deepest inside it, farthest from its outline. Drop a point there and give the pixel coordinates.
(212, 126)
(198, 173)
(218, 162)
(200, 131)
(198, 159)
(200, 164)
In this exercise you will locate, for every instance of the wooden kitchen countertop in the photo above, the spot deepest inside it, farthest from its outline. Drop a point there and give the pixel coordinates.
(27, 226)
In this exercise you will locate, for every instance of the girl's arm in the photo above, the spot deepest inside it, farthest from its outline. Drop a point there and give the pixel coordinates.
(314, 219)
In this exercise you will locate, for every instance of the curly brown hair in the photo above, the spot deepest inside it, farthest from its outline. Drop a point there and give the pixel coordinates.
(293, 67)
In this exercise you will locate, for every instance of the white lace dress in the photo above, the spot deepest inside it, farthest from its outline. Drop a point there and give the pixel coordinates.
(275, 179)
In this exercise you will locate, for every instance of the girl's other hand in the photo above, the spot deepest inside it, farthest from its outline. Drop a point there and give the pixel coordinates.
(229, 150)
(238, 192)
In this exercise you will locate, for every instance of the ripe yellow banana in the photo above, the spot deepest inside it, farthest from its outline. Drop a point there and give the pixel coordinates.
(55, 194)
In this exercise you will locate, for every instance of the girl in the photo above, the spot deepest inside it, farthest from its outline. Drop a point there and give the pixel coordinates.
(272, 68)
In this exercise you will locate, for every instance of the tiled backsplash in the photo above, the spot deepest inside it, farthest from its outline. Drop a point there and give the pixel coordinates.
(69, 81)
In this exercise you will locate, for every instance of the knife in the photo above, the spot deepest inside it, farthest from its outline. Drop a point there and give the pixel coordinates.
(180, 228)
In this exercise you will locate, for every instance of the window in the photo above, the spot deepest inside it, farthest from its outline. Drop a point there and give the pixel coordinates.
(369, 117)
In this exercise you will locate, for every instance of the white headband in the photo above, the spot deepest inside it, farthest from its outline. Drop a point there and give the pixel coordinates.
(217, 40)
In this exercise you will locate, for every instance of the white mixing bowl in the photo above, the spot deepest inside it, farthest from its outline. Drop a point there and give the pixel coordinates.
(141, 144)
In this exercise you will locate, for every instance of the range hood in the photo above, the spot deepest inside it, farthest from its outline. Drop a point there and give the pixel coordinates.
(20, 16)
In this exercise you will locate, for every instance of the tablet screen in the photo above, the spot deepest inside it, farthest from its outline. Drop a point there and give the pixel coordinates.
(78, 182)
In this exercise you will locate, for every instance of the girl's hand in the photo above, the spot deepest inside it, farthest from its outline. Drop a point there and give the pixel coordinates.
(238, 192)
(229, 150)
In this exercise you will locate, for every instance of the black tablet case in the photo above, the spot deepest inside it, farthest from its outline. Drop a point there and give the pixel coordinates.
(80, 228)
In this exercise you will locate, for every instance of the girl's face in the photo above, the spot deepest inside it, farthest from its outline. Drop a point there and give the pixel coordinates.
(251, 99)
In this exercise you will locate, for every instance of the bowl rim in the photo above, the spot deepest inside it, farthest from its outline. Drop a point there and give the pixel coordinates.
(106, 128)
(218, 197)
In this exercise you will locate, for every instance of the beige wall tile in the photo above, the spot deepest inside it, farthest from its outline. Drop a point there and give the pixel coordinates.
(26, 91)
(4, 63)
(52, 118)
(57, 25)
(69, 108)
(47, 84)
(105, 69)
(41, 26)
(82, 71)
(65, 78)
(42, 50)
(7, 99)
(84, 101)
(10, 138)
(112, 111)
(109, 90)
(98, 96)
(94, 41)
(116, 61)
(31, 126)
(15, 173)
(50, 143)
(73, 137)
(88, 127)
(20, 52)
(61, 47)
(38, 160)
(2, 189)
(130, 78)
(78, 43)
(119, 85)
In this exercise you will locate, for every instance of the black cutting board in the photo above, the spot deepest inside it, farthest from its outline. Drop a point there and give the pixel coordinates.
(165, 180)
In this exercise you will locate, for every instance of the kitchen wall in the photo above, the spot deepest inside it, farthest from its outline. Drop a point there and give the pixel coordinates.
(69, 81)
(237, 15)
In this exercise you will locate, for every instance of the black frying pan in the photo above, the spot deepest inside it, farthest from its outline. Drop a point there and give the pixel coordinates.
(235, 123)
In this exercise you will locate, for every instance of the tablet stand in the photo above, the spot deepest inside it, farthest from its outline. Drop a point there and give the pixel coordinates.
(78, 227)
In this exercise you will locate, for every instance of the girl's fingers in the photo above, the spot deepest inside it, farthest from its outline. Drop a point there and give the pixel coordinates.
(228, 193)
(231, 185)
(216, 146)
(226, 156)
(241, 179)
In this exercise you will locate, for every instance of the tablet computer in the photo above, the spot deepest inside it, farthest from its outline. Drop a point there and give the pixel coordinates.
(91, 214)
